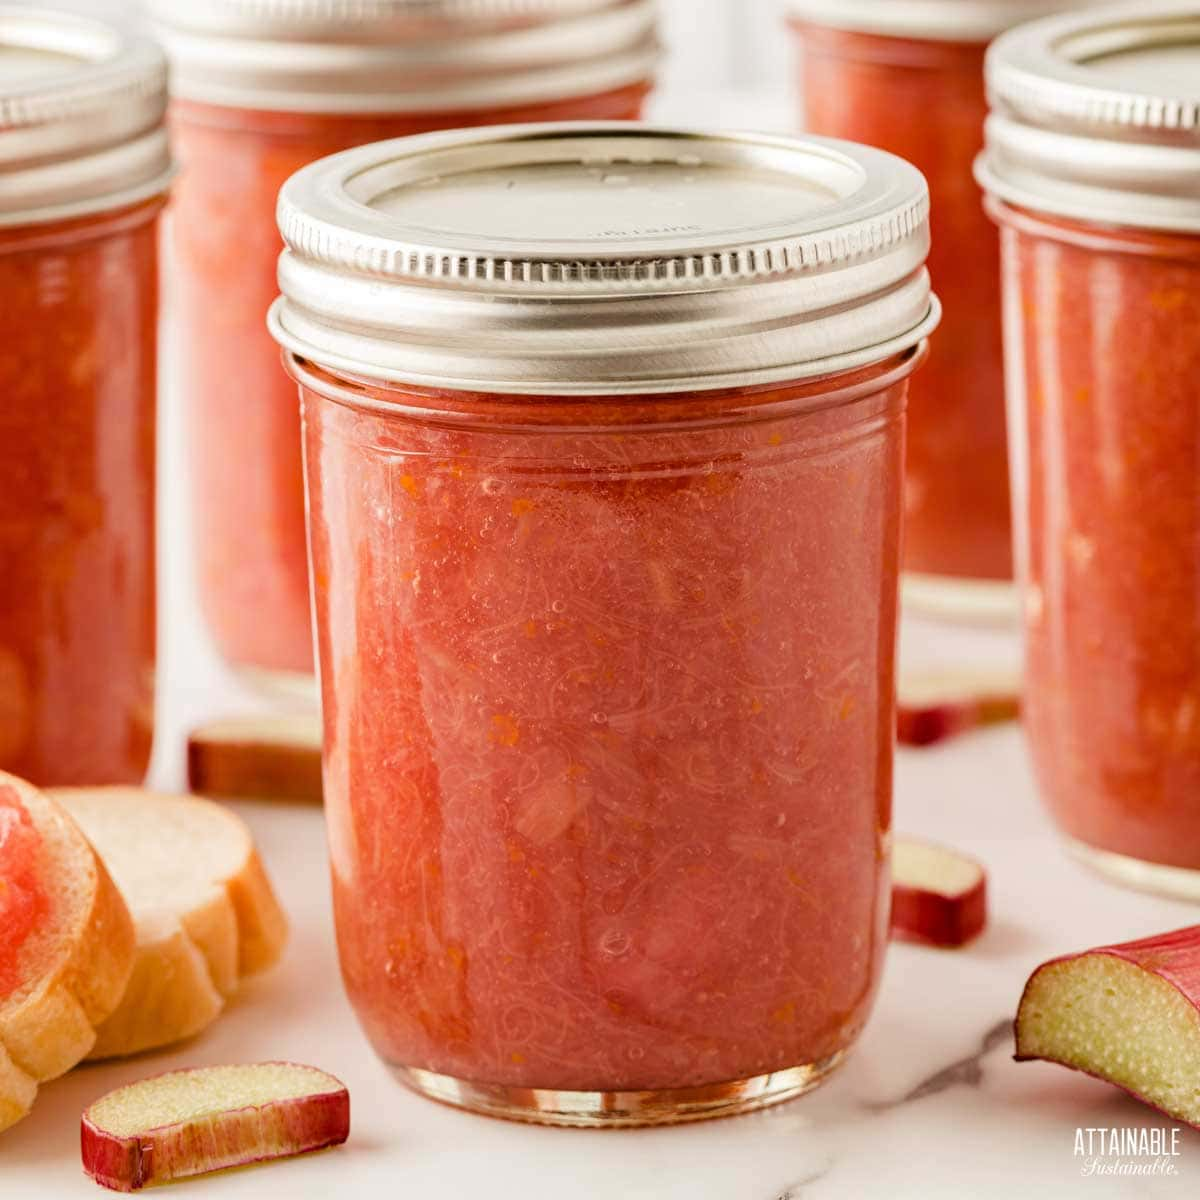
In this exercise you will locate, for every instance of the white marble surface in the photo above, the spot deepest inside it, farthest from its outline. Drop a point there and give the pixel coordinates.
(921, 1109)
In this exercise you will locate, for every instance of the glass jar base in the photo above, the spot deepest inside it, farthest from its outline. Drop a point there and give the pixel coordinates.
(616, 1110)
(963, 601)
(1179, 883)
(296, 689)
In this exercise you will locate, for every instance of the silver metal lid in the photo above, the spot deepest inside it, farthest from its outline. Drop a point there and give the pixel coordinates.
(1097, 116)
(383, 56)
(933, 20)
(603, 258)
(81, 117)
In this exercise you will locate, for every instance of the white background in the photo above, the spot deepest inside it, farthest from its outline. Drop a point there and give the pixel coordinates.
(738, 43)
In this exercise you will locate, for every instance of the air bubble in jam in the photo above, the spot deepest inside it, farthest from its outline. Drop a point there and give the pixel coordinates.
(615, 942)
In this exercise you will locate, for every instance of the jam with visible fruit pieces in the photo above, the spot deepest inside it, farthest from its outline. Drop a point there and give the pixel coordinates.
(1112, 622)
(605, 567)
(923, 99)
(608, 728)
(79, 306)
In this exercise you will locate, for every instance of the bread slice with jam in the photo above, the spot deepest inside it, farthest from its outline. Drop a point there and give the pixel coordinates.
(66, 945)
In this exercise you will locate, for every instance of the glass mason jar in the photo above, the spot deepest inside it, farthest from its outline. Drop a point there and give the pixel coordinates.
(84, 168)
(909, 79)
(260, 90)
(604, 437)
(1091, 168)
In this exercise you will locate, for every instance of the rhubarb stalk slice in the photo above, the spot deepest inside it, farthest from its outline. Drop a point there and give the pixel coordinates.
(1128, 1014)
(192, 1122)
(939, 897)
(935, 706)
(269, 758)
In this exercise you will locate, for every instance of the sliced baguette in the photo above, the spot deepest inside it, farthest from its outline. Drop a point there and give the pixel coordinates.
(17, 1091)
(204, 910)
(73, 968)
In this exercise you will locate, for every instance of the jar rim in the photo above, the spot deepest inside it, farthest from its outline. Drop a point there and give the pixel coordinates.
(1093, 235)
(422, 401)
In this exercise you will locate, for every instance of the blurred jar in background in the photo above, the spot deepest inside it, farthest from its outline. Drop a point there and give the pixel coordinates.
(261, 88)
(84, 169)
(908, 77)
(607, 610)
(1092, 169)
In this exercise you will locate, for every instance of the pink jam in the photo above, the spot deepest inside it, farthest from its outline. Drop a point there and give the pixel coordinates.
(23, 900)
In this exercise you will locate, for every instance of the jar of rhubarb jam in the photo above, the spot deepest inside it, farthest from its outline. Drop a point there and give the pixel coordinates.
(603, 436)
(84, 168)
(908, 77)
(261, 88)
(1093, 172)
